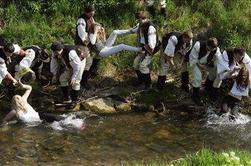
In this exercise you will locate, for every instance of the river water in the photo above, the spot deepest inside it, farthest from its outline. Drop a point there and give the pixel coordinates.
(119, 139)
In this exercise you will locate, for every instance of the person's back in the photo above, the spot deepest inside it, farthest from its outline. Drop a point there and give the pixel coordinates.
(29, 116)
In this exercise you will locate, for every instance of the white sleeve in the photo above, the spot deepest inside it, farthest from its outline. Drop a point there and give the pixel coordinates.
(54, 65)
(247, 61)
(93, 38)
(194, 55)
(27, 60)
(3, 71)
(170, 48)
(75, 63)
(152, 37)
(222, 66)
(81, 28)
(17, 49)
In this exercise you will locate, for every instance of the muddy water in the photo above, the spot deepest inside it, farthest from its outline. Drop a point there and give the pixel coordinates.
(118, 139)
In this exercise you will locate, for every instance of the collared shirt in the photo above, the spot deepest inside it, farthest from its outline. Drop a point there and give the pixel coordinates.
(194, 55)
(172, 43)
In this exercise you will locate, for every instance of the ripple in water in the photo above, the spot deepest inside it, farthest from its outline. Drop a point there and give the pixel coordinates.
(70, 122)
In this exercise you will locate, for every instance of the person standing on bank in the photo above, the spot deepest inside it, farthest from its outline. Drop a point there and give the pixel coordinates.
(148, 41)
(83, 30)
(66, 68)
(203, 57)
(179, 44)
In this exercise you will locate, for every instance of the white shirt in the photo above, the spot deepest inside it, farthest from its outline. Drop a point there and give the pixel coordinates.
(239, 92)
(170, 48)
(75, 63)
(29, 116)
(3, 70)
(27, 60)
(81, 30)
(194, 55)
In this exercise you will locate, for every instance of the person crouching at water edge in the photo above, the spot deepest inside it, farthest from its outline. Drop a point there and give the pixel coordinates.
(239, 90)
(67, 68)
(24, 112)
(104, 47)
(203, 57)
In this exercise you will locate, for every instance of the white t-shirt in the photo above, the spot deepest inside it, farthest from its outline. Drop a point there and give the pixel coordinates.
(29, 116)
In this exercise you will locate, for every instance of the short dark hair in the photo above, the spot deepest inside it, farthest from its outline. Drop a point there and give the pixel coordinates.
(89, 8)
(57, 46)
(239, 50)
(9, 47)
(212, 42)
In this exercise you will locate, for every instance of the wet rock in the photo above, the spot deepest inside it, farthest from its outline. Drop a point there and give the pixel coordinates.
(162, 134)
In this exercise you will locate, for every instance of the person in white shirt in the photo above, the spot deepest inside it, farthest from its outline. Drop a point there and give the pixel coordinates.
(175, 45)
(239, 90)
(82, 41)
(67, 68)
(229, 64)
(24, 112)
(105, 47)
(203, 57)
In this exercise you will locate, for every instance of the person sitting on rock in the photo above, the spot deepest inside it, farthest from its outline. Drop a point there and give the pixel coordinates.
(179, 44)
(67, 68)
(104, 47)
(239, 90)
(203, 57)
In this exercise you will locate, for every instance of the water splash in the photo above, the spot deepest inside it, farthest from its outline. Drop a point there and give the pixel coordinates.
(70, 122)
(225, 119)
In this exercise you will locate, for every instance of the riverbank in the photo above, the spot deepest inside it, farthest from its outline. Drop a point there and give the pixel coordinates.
(207, 157)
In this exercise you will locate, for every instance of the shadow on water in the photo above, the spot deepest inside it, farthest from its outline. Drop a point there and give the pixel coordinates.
(117, 139)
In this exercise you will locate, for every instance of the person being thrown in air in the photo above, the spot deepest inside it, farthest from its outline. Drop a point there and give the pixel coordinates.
(104, 47)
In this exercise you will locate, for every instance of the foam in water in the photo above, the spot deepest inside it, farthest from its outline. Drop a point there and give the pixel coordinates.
(226, 118)
(69, 122)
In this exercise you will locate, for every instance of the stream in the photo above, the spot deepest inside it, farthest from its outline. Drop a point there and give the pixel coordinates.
(119, 139)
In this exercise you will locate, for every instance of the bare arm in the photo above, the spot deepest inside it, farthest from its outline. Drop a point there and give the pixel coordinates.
(11, 115)
(27, 92)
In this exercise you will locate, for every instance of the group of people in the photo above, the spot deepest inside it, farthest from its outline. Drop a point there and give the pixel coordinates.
(71, 66)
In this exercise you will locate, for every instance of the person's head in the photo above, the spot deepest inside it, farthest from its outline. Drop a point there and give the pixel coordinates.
(44, 55)
(141, 16)
(242, 78)
(238, 53)
(89, 10)
(17, 103)
(10, 49)
(57, 48)
(187, 37)
(212, 44)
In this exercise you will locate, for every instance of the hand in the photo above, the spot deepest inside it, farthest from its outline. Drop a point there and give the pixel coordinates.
(15, 83)
(72, 82)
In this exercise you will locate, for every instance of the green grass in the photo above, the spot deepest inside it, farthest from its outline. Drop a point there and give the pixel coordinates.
(207, 157)
(42, 22)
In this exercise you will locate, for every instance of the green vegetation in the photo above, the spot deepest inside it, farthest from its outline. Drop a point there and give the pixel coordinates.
(42, 22)
(207, 157)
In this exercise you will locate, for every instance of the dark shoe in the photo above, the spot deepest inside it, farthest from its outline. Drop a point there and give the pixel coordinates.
(66, 94)
(161, 82)
(196, 97)
(74, 95)
(140, 79)
(208, 85)
(163, 12)
(185, 81)
(147, 81)
(84, 80)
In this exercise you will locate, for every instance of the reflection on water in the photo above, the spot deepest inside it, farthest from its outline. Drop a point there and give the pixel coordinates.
(116, 139)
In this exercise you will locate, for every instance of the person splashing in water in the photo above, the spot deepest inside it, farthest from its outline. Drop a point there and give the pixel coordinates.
(239, 90)
(25, 113)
